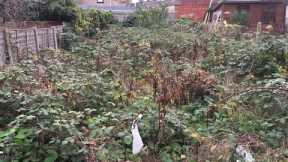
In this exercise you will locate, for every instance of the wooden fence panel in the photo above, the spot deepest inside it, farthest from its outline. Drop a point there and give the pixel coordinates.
(20, 44)
(14, 42)
(31, 43)
(50, 38)
(24, 41)
(42, 36)
(21, 39)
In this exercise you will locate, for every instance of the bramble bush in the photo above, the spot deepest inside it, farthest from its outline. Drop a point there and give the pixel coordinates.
(92, 21)
(240, 17)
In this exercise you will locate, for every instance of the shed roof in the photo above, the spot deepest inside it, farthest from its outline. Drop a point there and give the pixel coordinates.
(251, 1)
(218, 3)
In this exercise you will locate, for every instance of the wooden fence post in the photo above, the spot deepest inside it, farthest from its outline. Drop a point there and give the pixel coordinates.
(55, 38)
(26, 39)
(36, 39)
(48, 38)
(258, 30)
(17, 45)
(2, 55)
(8, 47)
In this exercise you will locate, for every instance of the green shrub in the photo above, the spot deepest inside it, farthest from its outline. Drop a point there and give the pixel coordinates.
(68, 38)
(271, 56)
(61, 10)
(148, 17)
(89, 22)
(240, 17)
(130, 21)
(47, 122)
(187, 25)
(20, 10)
(264, 57)
(43, 133)
(184, 21)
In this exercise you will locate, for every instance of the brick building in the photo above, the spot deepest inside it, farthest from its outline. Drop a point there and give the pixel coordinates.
(192, 9)
(268, 12)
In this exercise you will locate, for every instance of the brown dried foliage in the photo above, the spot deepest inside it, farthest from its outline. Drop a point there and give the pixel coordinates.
(181, 87)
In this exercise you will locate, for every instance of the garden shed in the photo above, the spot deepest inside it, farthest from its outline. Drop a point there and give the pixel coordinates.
(251, 12)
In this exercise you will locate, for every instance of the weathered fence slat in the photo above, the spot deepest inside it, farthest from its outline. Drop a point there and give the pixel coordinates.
(2, 50)
(55, 38)
(17, 45)
(8, 47)
(36, 39)
(48, 41)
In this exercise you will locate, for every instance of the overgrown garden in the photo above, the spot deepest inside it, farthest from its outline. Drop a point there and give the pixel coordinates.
(201, 94)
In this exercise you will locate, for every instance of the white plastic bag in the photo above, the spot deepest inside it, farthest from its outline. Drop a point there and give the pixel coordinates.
(245, 154)
(137, 140)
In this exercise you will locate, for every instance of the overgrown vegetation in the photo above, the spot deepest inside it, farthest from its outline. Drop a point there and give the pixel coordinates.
(86, 22)
(23, 10)
(202, 94)
(240, 17)
(89, 22)
(209, 94)
(148, 17)
(61, 10)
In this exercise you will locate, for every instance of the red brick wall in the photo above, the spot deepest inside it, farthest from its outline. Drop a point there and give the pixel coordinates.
(193, 9)
(255, 15)
(193, 2)
(195, 12)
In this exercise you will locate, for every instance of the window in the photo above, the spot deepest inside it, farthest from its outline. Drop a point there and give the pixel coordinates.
(100, 1)
(268, 15)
